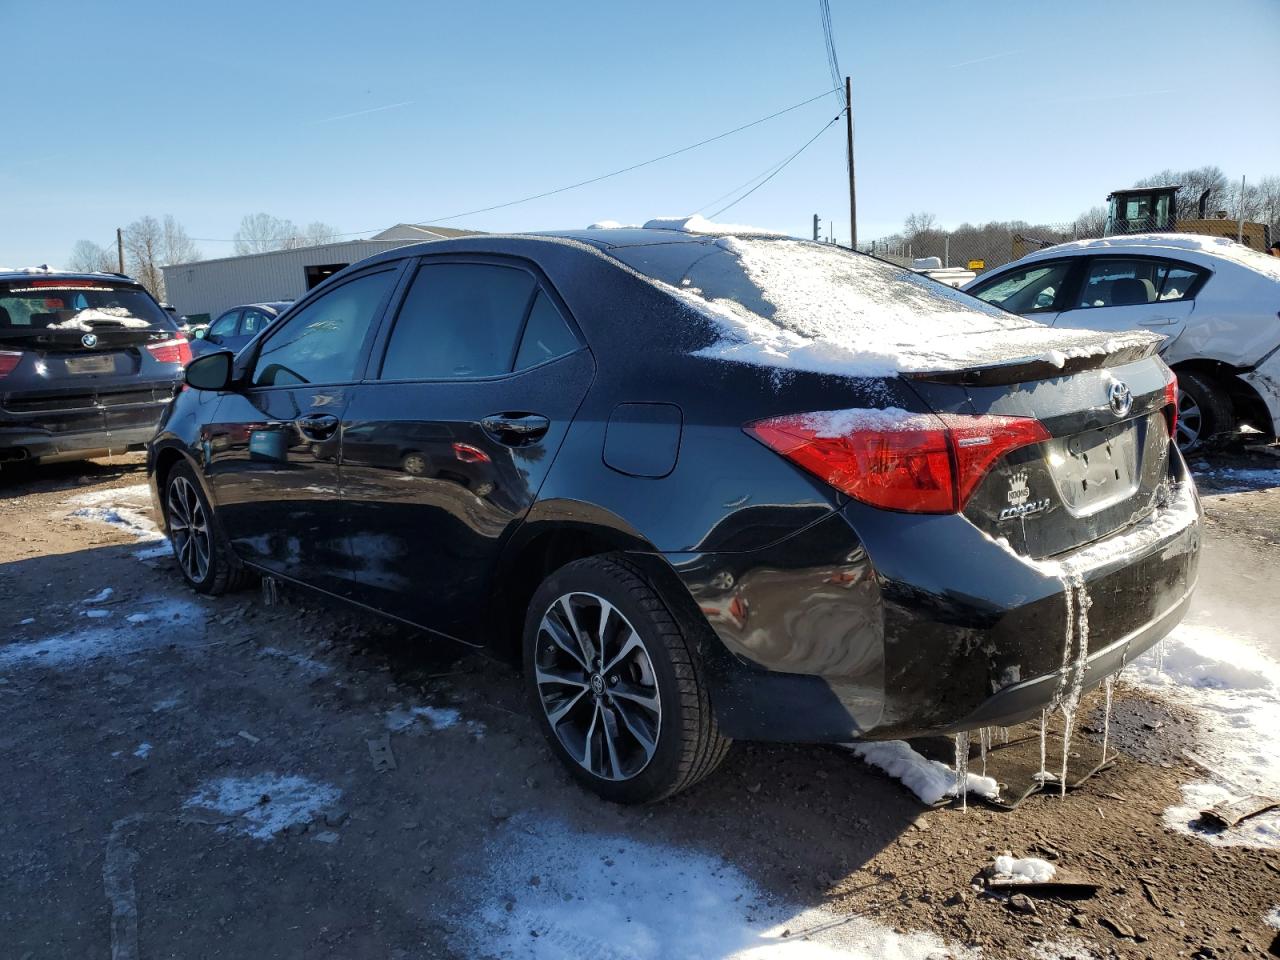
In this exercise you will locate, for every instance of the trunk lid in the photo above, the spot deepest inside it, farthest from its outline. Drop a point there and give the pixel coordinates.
(1106, 464)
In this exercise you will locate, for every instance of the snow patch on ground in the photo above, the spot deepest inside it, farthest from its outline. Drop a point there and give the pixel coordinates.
(78, 647)
(929, 780)
(612, 898)
(125, 508)
(300, 660)
(143, 751)
(97, 614)
(1238, 479)
(265, 803)
(1272, 919)
(438, 718)
(1234, 688)
(1024, 869)
(102, 596)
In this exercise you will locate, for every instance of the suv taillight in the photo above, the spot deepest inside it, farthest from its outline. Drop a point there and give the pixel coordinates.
(8, 360)
(177, 350)
(1171, 404)
(914, 462)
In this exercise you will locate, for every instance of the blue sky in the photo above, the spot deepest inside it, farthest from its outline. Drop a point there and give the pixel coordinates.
(363, 115)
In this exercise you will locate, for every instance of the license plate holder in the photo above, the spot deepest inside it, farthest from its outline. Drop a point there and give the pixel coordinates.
(94, 363)
(1101, 467)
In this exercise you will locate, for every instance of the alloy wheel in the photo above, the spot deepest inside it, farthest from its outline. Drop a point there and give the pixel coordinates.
(189, 529)
(597, 686)
(1190, 422)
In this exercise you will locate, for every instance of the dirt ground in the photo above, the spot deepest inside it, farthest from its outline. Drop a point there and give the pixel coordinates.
(152, 741)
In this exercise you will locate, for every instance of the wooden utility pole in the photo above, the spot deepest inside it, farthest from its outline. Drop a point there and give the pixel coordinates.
(853, 195)
(120, 248)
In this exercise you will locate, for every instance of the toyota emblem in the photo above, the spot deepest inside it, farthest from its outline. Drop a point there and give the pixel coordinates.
(90, 340)
(1120, 398)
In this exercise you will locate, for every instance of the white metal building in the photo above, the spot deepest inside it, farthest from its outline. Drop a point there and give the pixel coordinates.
(203, 289)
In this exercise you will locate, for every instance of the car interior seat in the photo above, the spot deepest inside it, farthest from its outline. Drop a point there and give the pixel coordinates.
(1128, 291)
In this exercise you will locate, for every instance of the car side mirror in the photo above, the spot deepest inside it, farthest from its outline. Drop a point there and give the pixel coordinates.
(211, 372)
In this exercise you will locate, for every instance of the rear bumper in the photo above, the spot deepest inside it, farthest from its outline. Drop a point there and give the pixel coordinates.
(923, 625)
(48, 426)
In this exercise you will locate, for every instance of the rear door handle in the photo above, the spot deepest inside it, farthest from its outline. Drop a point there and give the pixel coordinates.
(317, 426)
(514, 429)
(1158, 322)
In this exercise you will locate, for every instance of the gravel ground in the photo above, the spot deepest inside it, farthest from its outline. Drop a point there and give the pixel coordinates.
(225, 778)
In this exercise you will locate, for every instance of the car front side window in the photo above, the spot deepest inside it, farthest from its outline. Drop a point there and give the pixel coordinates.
(252, 322)
(225, 325)
(1031, 289)
(322, 342)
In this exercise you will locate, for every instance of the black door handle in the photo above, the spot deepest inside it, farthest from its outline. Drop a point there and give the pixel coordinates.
(317, 426)
(515, 429)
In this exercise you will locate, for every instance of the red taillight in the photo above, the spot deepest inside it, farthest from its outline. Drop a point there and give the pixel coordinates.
(8, 360)
(1171, 403)
(918, 463)
(177, 350)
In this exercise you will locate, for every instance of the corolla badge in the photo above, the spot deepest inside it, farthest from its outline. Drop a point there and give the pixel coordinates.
(90, 340)
(1019, 497)
(1120, 397)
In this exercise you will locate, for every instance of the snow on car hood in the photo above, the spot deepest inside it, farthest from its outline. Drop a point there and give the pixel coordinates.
(800, 305)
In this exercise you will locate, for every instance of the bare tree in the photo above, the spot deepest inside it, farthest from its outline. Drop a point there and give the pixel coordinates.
(89, 257)
(316, 233)
(1091, 223)
(918, 223)
(178, 247)
(144, 253)
(1269, 205)
(1193, 183)
(261, 232)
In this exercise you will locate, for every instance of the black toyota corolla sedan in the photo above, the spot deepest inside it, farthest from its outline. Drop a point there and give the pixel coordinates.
(704, 487)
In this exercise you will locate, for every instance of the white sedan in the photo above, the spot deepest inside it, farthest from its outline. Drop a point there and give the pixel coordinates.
(1216, 301)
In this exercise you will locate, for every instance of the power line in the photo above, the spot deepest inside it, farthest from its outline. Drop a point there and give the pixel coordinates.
(734, 203)
(582, 183)
(833, 61)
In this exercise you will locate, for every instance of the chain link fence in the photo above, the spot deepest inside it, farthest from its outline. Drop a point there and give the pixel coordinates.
(978, 248)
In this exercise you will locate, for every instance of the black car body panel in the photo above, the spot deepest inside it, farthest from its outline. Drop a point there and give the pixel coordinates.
(81, 387)
(822, 618)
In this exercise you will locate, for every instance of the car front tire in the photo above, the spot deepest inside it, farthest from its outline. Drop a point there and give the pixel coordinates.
(203, 555)
(615, 684)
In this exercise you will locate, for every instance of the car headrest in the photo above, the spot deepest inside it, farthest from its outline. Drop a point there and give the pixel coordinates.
(1128, 291)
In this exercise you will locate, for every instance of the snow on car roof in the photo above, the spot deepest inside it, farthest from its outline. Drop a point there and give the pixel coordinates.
(1222, 248)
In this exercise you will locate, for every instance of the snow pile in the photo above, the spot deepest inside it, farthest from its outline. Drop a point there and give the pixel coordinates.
(811, 306)
(266, 803)
(1234, 687)
(613, 225)
(87, 318)
(699, 224)
(1024, 869)
(553, 893)
(125, 508)
(438, 718)
(929, 780)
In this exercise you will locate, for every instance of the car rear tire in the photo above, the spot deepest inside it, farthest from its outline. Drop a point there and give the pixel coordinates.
(623, 703)
(1206, 418)
(204, 557)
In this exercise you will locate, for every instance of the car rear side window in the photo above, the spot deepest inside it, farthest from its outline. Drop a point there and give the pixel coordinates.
(321, 342)
(546, 335)
(459, 321)
(1120, 282)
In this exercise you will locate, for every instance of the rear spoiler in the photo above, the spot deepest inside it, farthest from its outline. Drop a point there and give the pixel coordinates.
(1042, 366)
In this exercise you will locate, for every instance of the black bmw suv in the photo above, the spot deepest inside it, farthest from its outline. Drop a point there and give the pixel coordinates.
(87, 363)
(704, 487)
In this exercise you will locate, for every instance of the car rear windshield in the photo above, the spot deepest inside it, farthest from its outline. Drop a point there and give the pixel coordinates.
(50, 303)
